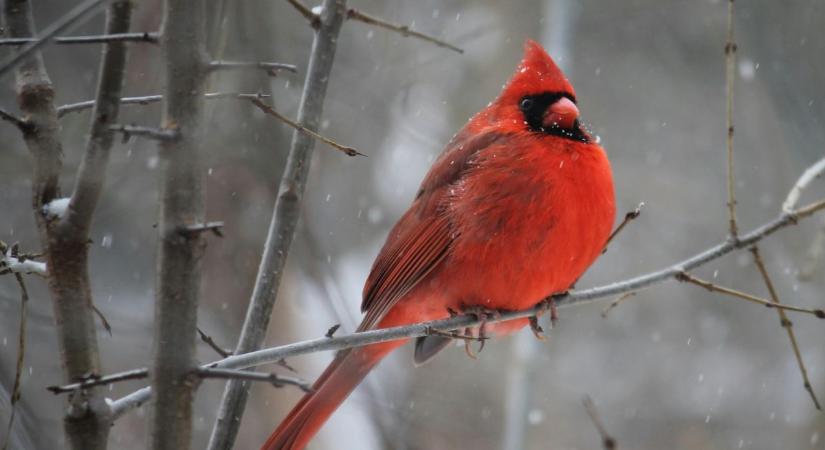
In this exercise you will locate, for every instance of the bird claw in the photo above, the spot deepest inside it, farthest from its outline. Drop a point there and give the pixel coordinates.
(537, 329)
(483, 314)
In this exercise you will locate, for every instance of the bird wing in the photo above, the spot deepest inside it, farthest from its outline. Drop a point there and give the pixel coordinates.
(422, 237)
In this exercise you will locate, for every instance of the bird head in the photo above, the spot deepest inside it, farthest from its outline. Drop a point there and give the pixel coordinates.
(538, 98)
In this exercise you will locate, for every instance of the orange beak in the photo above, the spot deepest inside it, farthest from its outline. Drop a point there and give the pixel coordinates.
(562, 114)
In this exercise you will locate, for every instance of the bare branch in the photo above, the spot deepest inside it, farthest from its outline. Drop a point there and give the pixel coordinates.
(286, 212)
(78, 14)
(11, 263)
(212, 344)
(182, 203)
(245, 375)
(21, 353)
(404, 30)
(629, 217)
(688, 278)
(149, 99)
(314, 19)
(271, 68)
(811, 173)
(255, 358)
(730, 76)
(787, 324)
(608, 442)
(96, 380)
(91, 174)
(21, 124)
(349, 151)
(151, 38)
(158, 134)
(616, 302)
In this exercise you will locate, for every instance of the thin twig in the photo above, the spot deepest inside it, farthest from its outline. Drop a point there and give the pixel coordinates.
(272, 378)
(404, 30)
(21, 353)
(571, 298)
(77, 14)
(150, 37)
(212, 344)
(103, 321)
(608, 442)
(149, 99)
(786, 323)
(730, 76)
(271, 68)
(616, 302)
(314, 19)
(811, 173)
(21, 124)
(688, 278)
(629, 217)
(331, 331)
(159, 134)
(349, 151)
(90, 381)
(285, 214)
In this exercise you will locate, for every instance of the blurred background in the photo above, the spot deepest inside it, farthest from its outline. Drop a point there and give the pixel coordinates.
(675, 367)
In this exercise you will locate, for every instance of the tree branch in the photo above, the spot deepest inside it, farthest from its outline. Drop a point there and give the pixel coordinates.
(314, 19)
(21, 124)
(96, 380)
(688, 278)
(564, 299)
(403, 30)
(629, 217)
(149, 99)
(786, 324)
(284, 218)
(271, 68)
(158, 134)
(730, 76)
(182, 204)
(811, 173)
(246, 375)
(150, 37)
(92, 171)
(608, 441)
(349, 151)
(86, 420)
(21, 353)
(78, 14)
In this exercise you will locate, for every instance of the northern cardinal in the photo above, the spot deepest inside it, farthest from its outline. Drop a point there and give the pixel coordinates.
(517, 206)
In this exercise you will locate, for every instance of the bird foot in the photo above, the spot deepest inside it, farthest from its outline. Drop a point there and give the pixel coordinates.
(537, 330)
(483, 314)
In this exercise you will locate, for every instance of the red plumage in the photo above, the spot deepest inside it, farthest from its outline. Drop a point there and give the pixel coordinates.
(518, 205)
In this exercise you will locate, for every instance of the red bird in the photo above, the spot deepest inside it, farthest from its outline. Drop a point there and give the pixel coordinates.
(517, 206)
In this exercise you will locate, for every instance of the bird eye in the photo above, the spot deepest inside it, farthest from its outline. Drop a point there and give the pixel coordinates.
(526, 104)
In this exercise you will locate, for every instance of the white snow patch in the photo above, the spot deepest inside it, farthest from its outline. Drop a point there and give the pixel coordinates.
(18, 266)
(56, 208)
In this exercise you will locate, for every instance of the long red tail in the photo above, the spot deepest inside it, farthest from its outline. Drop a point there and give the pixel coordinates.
(329, 391)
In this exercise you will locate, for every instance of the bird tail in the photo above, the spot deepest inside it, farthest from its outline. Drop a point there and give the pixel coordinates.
(329, 391)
